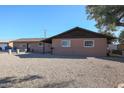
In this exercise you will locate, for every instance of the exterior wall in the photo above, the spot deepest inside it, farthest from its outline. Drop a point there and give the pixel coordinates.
(20, 45)
(34, 46)
(48, 48)
(77, 48)
(10, 44)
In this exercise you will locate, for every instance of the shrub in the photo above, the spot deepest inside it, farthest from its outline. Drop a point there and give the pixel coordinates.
(119, 52)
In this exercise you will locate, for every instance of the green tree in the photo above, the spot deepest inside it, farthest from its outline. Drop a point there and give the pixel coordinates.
(108, 18)
(121, 37)
(108, 33)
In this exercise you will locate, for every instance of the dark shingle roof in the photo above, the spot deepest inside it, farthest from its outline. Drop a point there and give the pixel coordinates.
(77, 32)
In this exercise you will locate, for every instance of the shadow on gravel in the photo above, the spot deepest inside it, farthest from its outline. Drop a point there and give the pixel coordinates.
(113, 58)
(59, 85)
(10, 81)
(36, 55)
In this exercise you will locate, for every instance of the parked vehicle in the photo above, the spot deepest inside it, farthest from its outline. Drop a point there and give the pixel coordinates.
(7, 48)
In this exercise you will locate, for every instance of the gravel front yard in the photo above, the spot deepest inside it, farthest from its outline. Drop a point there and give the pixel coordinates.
(38, 71)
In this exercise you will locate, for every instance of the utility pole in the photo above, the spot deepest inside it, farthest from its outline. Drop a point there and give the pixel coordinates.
(45, 32)
(43, 42)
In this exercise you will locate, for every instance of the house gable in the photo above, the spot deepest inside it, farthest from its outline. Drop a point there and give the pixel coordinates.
(77, 32)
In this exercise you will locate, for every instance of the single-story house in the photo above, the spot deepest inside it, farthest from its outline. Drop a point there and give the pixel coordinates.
(79, 42)
(31, 45)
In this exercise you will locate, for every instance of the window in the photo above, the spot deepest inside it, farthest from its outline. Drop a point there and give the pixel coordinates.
(66, 43)
(88, 43)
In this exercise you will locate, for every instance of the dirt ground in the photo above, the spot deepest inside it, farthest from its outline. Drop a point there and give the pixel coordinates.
(46, 71)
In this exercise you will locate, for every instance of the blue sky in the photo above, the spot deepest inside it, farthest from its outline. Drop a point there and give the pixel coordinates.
(31, 21)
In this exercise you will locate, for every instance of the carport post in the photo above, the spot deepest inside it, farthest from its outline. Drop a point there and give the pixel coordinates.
(10, 51)
(17, 51)
(43, 48)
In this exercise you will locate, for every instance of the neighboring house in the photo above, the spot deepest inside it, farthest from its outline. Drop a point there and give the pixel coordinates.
(31, 44)
(112, 47)
(121, 47)
(3, 45)
(79, 42)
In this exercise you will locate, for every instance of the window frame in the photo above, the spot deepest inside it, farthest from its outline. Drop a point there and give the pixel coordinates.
(69, 44)
(89, 46)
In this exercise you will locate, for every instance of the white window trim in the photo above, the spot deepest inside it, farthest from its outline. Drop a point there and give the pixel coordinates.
(89, 46)
(66, 40)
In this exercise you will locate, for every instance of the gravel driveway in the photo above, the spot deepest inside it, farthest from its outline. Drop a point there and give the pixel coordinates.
(45, 71)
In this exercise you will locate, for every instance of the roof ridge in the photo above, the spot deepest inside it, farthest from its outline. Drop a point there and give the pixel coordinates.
(84, 33)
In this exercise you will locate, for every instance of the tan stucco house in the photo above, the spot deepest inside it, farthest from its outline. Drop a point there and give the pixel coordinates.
(32, 45)
(79, 42)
